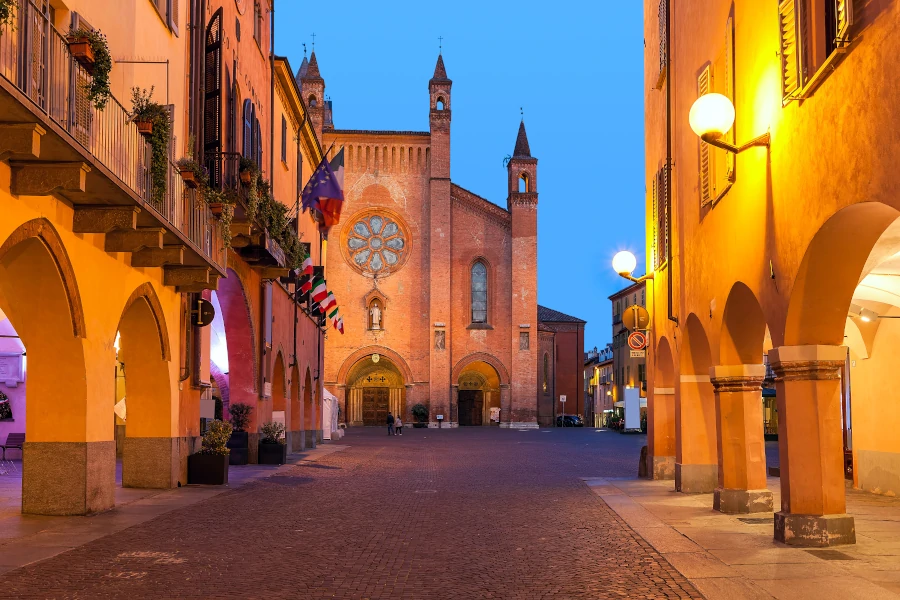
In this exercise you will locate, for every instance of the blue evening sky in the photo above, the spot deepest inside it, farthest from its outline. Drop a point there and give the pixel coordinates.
(575, 67)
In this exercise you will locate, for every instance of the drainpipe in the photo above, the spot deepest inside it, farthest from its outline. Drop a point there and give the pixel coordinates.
(272, 94)
(669, 81)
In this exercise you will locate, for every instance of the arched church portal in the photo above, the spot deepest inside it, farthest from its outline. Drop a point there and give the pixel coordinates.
(374, 389)
(478, 398)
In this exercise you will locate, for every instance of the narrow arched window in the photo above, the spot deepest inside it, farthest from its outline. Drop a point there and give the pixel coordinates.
(479, 293)
(311, 101)
(546, 370)
(523, 183)
(439, 105)
(247, 139)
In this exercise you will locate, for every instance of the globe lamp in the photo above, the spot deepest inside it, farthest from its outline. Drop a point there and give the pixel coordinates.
(712, 115)
(624, 262)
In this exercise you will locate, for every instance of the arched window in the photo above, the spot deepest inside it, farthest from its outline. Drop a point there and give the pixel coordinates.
(212, 99)
(479, 293)
(546, 370)
(439, 105)
(311, 101)
(523, 183)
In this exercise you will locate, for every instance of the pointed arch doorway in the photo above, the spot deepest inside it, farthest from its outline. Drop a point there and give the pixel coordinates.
(375, 388)
(478, 396)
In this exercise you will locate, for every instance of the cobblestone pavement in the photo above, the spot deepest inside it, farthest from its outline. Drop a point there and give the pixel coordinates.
(470, 513)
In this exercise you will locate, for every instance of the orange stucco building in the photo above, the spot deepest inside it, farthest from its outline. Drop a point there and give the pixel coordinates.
(102, 263)
(784, 254)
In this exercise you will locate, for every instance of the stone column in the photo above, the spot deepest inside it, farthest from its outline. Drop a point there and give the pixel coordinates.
(741, 446)
(696, 466)
(661, 433)
(813, 502)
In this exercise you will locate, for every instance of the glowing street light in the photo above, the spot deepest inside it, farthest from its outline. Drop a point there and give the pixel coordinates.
(712, 116)
(624, 263)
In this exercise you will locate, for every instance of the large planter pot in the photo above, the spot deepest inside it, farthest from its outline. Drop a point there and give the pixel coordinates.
(208, 469)
(239, 445)
(216, 208)
(272, 454)
(245, 177)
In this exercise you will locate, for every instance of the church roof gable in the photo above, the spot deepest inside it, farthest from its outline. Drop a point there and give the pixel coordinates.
(548, 315)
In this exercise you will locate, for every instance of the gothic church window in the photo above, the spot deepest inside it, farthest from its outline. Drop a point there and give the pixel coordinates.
(523, 183)
(439, 105)
(546, 370)
(479, 293)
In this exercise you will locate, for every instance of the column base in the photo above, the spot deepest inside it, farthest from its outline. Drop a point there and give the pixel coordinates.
(815, 531)
(662, 467)
(736, 502)
(520, 425)
(151, 463)
(696, 479)
(252, 448)
(296, 441)
(309, 441)
(68, 478)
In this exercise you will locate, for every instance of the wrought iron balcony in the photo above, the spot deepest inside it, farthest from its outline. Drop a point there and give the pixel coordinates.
(57, 142)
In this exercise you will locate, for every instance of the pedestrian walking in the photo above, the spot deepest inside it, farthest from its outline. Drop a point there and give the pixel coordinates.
(398, 426)
(390, 424)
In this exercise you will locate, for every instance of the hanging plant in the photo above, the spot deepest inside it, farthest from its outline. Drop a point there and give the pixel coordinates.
(221, 203)
(90, 49)
(145, 109)
(7, 14)
(253, 195)
(273, 215)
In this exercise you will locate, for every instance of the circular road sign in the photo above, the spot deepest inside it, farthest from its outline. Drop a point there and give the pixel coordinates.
(636, 317)
(637, 340)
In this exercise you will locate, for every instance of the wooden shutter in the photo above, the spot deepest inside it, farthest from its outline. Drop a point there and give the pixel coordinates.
(662, 221)
(247, 138)
(788, 17)
(655, 208)
(706, 156)
(172, 14)
(212, 104)
(663, 43)
(843, 16)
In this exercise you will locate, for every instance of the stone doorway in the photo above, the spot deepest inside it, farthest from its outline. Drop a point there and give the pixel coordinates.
(471, 407)
(375, 406)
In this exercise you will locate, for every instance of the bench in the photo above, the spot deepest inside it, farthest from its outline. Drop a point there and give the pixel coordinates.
(13, 441)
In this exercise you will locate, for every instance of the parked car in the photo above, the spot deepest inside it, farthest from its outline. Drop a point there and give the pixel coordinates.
(569, 421)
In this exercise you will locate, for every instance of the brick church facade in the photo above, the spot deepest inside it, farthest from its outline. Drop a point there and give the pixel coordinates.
(437, 285)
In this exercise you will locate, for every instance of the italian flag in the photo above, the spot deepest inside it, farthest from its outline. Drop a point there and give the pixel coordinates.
(329, 301)
(340, 325)
(333, 315)
(319, 290)
(307, 267)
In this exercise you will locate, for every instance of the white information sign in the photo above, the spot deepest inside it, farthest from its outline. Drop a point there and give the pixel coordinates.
(638, 353)
(632, 408)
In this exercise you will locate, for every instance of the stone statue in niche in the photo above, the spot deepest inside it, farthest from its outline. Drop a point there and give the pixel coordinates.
(439, 340)
(375, 315)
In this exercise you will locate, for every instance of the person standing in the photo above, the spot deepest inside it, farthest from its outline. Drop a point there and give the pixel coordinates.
(398, 426)
(390, 424)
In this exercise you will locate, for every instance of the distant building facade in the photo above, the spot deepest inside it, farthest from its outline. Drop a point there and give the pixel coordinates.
(628, 371)
(560, 365)
(598, 369)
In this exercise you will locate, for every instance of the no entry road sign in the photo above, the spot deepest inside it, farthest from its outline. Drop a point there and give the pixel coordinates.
(637, 340)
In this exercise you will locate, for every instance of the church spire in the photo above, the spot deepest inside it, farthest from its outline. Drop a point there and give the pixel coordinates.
(440, 73)
(522, 150)
(312, 71)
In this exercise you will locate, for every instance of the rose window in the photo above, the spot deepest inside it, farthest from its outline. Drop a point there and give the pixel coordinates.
(377, 244)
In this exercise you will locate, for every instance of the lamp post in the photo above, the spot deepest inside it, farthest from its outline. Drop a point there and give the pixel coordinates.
(712, 116)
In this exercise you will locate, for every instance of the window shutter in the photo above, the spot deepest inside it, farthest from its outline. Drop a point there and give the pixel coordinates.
(663, 43)
(728, 90)
(662, 222)
(655, 203)
(172, 14)
(246, 139)
(706, 155)
(790, 47)
(843, 15)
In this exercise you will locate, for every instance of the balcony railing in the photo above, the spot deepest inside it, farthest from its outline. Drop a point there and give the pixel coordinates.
(35, 58)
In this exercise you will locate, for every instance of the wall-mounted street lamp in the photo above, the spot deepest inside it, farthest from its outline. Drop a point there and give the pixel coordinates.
(624, 263)
(712, 116)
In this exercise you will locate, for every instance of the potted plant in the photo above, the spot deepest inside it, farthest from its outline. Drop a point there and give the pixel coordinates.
(248, 168)
(272, 447)
(154, 122)
(239, 442)
(210, 465)
(420, 413)
(90, 49)
(194, 174)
